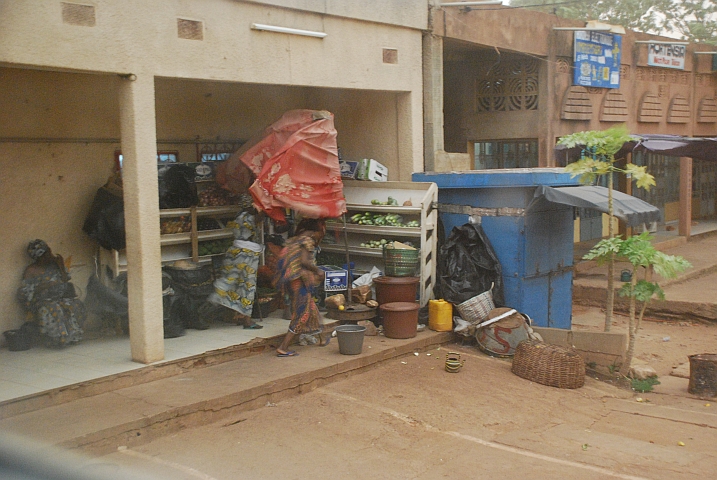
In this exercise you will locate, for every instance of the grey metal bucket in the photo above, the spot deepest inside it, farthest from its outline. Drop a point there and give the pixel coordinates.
(350, 339)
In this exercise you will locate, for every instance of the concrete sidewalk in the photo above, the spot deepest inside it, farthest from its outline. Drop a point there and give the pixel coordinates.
(134, 414)
(692, 295)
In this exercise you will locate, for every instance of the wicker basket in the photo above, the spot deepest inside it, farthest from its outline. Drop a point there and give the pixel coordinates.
(476, 309)
(401, 262)
(550, 365)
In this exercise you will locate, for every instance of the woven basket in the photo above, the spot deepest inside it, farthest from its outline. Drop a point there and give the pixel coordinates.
(476, 309)
(550, 365)
(400, 262)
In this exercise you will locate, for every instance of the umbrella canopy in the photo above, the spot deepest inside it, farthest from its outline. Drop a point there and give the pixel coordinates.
(627, 208)
(295, 164)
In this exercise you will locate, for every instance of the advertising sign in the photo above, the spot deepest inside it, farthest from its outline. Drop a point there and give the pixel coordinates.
(666, 55)
(597, 59)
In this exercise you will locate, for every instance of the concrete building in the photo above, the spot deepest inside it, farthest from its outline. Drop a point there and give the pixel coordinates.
(81, 81)
(500, 82)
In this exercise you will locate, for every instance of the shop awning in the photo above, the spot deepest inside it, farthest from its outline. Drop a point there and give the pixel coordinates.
(671, 145)
(627, 208)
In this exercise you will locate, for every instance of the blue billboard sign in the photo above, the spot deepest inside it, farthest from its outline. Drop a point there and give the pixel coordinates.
(597, 59)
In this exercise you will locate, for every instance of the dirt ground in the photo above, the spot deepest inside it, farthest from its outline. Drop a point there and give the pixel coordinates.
(409, 418)
(662, 344)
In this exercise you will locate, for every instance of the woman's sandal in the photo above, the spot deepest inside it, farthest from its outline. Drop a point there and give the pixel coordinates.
(290, 353)
(323, 343)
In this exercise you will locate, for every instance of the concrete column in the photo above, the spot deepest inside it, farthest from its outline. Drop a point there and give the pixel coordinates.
(433, 139)
(625, 185)
(684, 227)
(141, 212)
(546, 107)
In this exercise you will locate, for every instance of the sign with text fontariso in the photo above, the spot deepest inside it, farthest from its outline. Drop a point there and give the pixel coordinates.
(666, 55)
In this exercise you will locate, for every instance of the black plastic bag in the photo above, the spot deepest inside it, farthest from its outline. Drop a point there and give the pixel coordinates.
(103, 300)
(172, 315)
(177, 188)
(23, 338)
(468, 266)
(105, 221)
(191, 288)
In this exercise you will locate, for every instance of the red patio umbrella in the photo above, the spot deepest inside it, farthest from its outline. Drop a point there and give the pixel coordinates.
(295, 164)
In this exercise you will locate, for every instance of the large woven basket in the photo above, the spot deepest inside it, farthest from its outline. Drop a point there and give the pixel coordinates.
(550, 365)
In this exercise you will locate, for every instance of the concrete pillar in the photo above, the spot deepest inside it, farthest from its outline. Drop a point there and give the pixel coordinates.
(546, 107)
(141, 211)
(684, 226)
(433, 139)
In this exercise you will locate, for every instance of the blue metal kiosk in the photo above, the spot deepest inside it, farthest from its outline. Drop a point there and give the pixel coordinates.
(533, 240)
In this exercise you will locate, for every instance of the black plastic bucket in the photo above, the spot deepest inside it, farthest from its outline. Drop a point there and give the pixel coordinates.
(17, 340)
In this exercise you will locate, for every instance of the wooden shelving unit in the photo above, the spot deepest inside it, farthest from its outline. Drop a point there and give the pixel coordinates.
(179, 246)
(423, 197)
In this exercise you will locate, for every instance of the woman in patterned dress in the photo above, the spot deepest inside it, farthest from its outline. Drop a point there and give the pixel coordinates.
(236, 286)
(297, 276)
(49, 297)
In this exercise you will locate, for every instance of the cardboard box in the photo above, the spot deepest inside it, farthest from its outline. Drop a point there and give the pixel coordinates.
(336, 278)
(370, 169)
(348, 169)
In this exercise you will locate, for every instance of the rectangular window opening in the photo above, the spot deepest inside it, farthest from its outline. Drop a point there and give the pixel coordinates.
(497, 154)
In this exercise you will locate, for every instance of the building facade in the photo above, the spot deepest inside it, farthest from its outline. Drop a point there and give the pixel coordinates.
(82, 81)
(508, 94)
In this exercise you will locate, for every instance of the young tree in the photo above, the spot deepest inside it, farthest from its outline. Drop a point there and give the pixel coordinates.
(644, 258)
(598, 159)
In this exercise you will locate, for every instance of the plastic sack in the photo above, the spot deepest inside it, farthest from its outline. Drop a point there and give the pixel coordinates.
(468, 266)
(367, 278)
(176, 187)
(105, 221)
(361, 294)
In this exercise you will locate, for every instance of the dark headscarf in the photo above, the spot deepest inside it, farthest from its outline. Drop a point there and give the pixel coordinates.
(37, 248)
(311, 225)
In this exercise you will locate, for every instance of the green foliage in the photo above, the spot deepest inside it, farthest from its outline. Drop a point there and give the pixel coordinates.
(643, 291)
(641, 253)
(598, 156)
(668, 266)
(602, 250)
(694, 20)
(640, 175)
(599, 144)
(645, 385)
